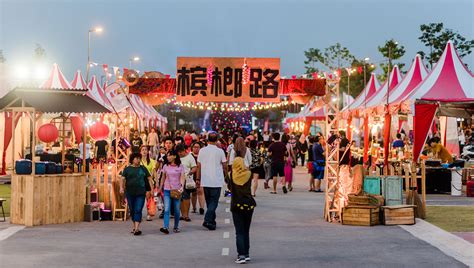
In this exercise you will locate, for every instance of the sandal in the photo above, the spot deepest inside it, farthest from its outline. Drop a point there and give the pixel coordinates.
(188, 219)
(290, 188)
(133, 231)
(284, 189)
(137, 232)
(176, 230)
(182, 218)
(273, 192)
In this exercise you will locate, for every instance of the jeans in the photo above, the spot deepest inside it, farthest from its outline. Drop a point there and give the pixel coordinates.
(211, 195)
(268, 171)
(135, 205)
(242, 220)
(176, 203)
(302, 156)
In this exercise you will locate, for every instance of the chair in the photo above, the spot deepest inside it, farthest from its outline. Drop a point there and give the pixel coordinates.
(3, 211)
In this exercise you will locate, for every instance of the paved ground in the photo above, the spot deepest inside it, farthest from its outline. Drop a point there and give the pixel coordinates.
(288, 230)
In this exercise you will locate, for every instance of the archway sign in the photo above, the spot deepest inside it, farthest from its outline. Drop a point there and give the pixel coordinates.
(227, 79)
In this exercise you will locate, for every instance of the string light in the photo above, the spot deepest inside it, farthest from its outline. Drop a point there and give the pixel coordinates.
(240, 107)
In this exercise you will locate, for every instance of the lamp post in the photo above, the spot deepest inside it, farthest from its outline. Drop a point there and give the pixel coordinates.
(132, 60)
(95, 30)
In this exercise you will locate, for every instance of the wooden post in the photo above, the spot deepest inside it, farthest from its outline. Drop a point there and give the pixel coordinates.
(423, 184)
(63, 134)
(84, 147)
(33, 142)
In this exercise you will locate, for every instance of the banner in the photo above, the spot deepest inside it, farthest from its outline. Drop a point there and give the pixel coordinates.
(221, 79)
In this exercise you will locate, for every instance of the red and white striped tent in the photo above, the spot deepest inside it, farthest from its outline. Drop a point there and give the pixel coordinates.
(370, 89)
(96, 92)
(56, 80)
(78, 81)
(416, 73)
(449, 89)
(380, 97)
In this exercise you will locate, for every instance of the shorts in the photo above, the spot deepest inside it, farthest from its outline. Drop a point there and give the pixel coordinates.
(318, 170)
(278, 169)
(258, 170)
(187, 194)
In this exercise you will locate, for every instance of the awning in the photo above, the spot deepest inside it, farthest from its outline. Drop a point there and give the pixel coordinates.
(52, 101)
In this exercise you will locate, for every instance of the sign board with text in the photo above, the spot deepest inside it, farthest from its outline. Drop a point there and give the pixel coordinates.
(193, 77)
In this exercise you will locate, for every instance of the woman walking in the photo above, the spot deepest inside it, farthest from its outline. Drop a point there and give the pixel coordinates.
(151, 166)
(242, 203)
(197, 196)
(173, 185)
(289, 164)
(318, 163)
(137, 185)
(256, 167)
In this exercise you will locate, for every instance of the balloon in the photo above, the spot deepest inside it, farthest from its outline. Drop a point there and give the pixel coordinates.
(48, 133)
(99, 131)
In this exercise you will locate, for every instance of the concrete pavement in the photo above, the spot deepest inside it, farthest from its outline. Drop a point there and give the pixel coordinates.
(287, 231)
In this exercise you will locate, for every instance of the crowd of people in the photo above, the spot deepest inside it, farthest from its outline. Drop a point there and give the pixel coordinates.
(185, 172)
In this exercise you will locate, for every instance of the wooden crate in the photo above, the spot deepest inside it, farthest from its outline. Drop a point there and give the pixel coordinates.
(47, 199)
(401, 214)
(361, 215)
(365, 200)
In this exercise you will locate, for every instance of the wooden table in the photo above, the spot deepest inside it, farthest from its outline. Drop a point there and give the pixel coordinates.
(47, 199)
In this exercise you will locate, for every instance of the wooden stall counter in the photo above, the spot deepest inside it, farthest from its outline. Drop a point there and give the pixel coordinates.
(47, 199)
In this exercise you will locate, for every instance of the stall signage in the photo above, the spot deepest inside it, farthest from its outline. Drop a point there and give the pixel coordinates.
(196, 82)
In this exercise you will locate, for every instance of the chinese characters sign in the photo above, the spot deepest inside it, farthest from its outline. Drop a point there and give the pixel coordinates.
(193, 83)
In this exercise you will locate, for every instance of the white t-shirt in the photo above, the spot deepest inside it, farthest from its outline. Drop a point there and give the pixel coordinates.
(188, 163)
(247, 158)
(153, 139)
(211, 158)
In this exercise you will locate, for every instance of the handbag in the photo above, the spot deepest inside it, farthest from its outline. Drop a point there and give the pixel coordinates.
(151, 206)
(175, 194)
(190, 184)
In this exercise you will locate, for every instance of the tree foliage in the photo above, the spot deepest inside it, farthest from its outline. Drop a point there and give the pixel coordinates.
(332, 58)
(40, 52)
(393, 50)
(435, 37)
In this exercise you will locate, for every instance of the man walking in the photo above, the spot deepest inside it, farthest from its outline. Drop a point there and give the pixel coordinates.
(212, 169)
(277, 153)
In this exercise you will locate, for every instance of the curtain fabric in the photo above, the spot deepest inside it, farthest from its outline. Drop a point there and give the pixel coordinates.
(423, 120)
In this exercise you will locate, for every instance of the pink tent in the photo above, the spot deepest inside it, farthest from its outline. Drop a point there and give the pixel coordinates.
(449, 87)
(96, 92)
(380, 97)
(56, 80)
(78, 81)
(370, 89)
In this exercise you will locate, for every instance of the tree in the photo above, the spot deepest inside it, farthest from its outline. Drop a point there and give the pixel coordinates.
(393, 50)
(435, 36)
(332, 57)
(40, 53)
(2, 57)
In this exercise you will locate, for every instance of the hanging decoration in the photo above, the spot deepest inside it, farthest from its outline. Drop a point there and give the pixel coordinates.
(359, 69)
(48, 133)
(99, 131)
(245, 73)
(338, 72)
(228, 107)
(210, 70)
(315, 75)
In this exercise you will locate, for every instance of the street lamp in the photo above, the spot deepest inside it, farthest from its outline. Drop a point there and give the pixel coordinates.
(94, 30)
(132, 60)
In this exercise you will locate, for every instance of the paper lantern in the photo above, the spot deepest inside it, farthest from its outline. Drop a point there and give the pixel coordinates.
(99, 131)
(48, 133)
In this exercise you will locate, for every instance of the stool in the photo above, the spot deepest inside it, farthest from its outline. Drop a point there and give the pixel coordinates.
(3, 211)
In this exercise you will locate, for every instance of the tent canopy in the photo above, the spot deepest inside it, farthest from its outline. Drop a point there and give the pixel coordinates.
(416, 73)
(380, 97)
(78, 81)
(56, 80)
(370, 89)
(52, 101)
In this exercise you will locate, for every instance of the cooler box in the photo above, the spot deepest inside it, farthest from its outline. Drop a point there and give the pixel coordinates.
(373, 185)
(59, 169)
(23, 166)
(470, 188)
(50, 168)
(40, 168)
(392, 190)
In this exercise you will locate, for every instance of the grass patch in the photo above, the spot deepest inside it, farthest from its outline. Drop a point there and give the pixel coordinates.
(5, 192)
(451, 218)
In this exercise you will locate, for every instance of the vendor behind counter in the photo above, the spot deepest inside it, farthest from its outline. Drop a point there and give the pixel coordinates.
(439, 151)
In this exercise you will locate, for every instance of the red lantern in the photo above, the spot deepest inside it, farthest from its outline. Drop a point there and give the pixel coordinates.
(359, 69)
(99, 131)
(48, 133)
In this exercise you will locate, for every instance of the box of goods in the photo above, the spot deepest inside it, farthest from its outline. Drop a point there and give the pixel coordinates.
(373, 185)
(395, 215)
(50, 168)
(23, 166)
(59, 169)
(40, 168)
(392, 190)
(366, 200)
(361, 215)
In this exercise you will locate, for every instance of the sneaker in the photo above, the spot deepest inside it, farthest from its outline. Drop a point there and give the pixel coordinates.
(137, 232)
(240, 260)
(164, 230)
(247, 258)
(201, 211)
(290, 188)
(148, 218)
(284, 189)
